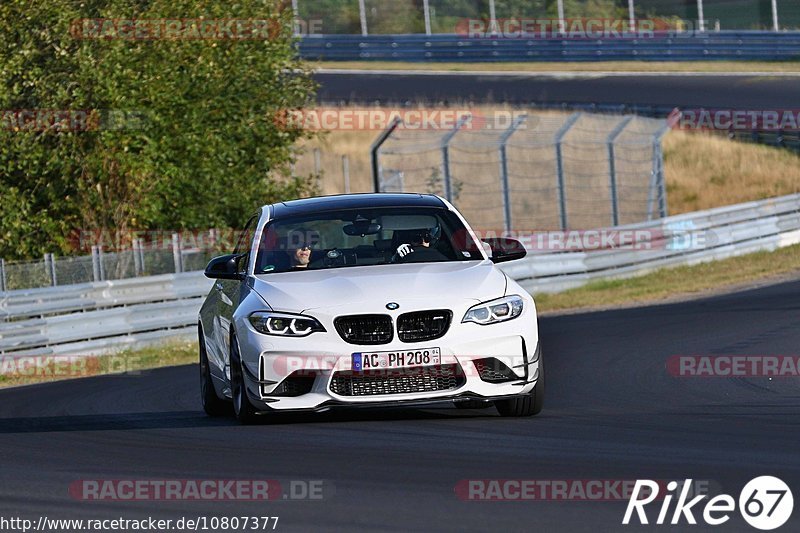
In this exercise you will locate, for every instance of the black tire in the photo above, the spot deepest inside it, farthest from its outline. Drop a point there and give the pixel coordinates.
(528, 404)
(242, 408)
(213, 405)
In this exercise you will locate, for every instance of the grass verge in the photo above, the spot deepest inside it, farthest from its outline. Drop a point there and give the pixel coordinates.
(704, 171)
(26, 371)
(676, 283)
(600, 66)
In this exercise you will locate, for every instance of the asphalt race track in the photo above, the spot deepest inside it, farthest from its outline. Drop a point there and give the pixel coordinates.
(612, 412)
(716, 92)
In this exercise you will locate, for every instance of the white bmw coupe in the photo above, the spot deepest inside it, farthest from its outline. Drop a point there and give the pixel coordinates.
(366, 300)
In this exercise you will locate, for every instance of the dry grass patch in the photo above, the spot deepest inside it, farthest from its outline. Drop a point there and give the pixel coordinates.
(705, 171)
(333, 145)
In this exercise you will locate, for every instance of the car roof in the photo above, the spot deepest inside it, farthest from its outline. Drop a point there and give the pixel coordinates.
(307, 206)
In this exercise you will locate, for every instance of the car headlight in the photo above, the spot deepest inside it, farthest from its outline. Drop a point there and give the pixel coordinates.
(495, 311)
(284, 324)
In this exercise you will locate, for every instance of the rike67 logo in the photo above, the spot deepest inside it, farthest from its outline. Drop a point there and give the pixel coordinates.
(765, 503)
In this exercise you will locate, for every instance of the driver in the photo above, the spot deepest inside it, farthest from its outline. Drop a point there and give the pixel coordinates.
(299, 243)
(300, 257)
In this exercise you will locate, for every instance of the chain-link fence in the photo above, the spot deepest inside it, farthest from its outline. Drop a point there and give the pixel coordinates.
(540, 171)
(373, 17)
(331, 171)
(142, 259)
(726, 14)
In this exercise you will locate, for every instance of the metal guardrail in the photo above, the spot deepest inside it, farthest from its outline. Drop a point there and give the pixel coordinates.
(727, 231)
(722, 45)
(39, 303)
(98, 317)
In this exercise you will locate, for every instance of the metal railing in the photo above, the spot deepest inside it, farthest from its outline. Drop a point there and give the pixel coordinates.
(97, 317)
(429, 17)
(723, 45)
(139, 260)
(93, 317)
(673, 241)
(532, 171)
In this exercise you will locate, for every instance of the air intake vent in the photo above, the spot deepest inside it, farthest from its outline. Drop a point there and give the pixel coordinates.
(405, 381)
(423, 325)
(494, 371)
(297, 383)
(365, 329)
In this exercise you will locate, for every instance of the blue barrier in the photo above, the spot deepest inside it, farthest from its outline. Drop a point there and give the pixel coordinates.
(722, 45)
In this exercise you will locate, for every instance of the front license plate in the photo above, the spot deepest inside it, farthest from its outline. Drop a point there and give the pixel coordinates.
(400, 359)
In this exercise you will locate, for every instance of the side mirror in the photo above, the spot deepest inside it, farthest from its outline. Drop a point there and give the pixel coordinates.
(223, 267)
(504, 249)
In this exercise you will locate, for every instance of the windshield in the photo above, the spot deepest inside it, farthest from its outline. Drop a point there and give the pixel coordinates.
(361, 237)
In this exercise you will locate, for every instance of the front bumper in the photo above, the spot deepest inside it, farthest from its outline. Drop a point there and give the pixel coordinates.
(322, 357)
(332, 405)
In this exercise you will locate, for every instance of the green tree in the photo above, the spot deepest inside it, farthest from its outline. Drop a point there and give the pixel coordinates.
(331, 16)
(187, 133)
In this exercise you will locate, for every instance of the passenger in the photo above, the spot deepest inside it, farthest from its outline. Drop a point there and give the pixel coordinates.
(419, 250)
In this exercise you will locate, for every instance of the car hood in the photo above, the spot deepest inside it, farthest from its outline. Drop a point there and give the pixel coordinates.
(296, 292)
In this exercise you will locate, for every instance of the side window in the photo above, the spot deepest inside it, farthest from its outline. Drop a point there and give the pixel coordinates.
(245, 240)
